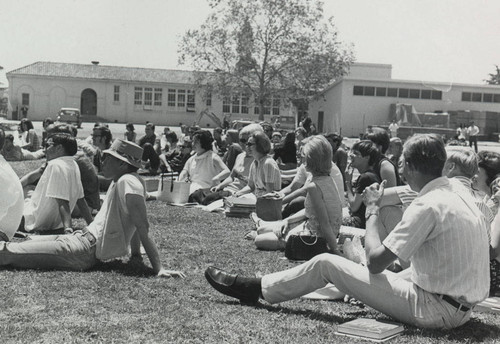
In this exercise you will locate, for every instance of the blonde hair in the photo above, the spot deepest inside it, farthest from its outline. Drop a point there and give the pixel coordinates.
(318, 155)
(465, 159)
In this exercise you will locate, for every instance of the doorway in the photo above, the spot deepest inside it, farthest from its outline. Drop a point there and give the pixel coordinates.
(88, 103)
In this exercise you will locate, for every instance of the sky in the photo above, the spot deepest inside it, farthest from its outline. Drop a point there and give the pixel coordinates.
(425, 40)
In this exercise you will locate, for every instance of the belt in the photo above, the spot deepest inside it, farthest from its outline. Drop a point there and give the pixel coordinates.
(456, 304)
(89, 236)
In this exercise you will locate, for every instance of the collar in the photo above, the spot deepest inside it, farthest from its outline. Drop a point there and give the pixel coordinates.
(464, 180)
(433, 184)
(202, 156)
(258, 161)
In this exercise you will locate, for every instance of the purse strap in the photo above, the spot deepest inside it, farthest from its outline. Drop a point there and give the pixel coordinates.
(309, 244)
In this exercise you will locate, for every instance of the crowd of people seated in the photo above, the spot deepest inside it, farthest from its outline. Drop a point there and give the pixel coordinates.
(424, 208)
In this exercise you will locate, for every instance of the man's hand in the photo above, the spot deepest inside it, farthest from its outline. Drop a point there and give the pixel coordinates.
(170, 273)
(373, 193)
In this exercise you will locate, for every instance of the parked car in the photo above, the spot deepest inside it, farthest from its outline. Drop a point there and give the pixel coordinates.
(70, 115)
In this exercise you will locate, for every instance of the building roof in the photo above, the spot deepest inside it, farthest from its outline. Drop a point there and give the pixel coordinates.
(102, 72)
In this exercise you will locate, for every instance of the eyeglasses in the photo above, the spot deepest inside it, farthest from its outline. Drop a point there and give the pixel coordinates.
(243, 140)
(250, 144)
(49, 144)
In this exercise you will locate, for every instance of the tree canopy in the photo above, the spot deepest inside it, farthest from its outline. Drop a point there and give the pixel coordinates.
(494, 78)
(266, 48)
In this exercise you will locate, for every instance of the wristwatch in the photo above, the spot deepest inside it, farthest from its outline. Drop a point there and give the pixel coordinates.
(370, 213)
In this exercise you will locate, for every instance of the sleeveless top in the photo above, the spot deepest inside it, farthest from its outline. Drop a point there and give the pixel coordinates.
(378, 165)
(333, 203)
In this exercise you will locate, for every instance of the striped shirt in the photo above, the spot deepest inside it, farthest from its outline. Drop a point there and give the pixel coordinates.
(263, 171)
(445, 236)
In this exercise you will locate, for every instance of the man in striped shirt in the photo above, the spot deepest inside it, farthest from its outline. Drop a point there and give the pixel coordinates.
(442, 233)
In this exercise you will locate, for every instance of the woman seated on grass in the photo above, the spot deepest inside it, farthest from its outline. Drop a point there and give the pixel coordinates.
(264, 175)
(12, 152)
(238, 178)
(29, 136)
(119, 228)
(322, 215)
(364, 155)
(204, 169)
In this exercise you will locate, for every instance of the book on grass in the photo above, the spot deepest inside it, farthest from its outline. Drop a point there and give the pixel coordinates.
(239, 202)
(370, 329)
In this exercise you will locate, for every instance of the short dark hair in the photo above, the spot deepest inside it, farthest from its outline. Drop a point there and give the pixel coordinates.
(104, 130)
(262, 142)
(9, 137)
(172, 136)
(130, 126)
(63, 128)
(205, 138)
(29, 124)
(380, 137)
(150, 125)
(425, 153)
(490, 162)
(67, 141)
(368, 148)
(335, 138)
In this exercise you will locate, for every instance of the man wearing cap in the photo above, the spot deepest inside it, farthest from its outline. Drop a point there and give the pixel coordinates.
(58, 190)
(119, 229)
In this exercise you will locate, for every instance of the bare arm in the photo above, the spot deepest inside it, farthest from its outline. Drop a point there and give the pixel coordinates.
(64, 212)
(325, 227)
(84, 210)
(378, 256)
(388, 173)
(138, 215)
(32, 177)
(296, 193)
(224, 171)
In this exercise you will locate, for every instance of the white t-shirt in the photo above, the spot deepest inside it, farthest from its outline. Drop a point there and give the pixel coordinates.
(112, 226)
(61, 179)
(11, 200)
(202, 168)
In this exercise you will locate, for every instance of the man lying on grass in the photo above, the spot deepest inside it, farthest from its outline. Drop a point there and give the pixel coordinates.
(117, 230)
(442, 233)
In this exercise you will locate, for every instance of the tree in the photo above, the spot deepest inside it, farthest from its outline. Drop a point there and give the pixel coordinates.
(265, 49)
(494, 78)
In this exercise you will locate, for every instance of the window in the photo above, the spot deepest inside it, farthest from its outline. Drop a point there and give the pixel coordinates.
(158, 96)
(171, 97)
(181, 98)
(148, 96)
(137, 95)
(244, 103)
(404, 93)
(414, 94)
(235, 104)
(476, 97)
(116, 94)
(208, 98)
(392, 92)
(276, 106)
(425, 94)
(436, 95)
(496, 98)
(381, 91)
(190, 105)
(226, 104)
(25, 99)
(466, 96)
(358, 90)
(369, 91)
(488, 98)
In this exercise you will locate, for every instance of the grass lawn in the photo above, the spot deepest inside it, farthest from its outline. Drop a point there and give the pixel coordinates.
(121, 303)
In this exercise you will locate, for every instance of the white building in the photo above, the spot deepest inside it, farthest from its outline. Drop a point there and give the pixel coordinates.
(123, 94)
(364, 97)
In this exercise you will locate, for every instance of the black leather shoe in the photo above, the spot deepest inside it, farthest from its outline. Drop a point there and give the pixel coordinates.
(225, 283)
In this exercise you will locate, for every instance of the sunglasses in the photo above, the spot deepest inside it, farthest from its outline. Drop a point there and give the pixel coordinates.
(250, 144)
(243, 140)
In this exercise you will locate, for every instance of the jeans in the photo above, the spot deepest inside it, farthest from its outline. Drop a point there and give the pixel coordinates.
(392, 294)
(149, 154)
(62, 252)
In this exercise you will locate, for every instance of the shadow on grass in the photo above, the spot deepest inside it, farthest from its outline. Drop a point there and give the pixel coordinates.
(130, 268)
(474, 330)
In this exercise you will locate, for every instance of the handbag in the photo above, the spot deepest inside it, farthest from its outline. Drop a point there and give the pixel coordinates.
(269, 208)
(304, 246)
(173, 191)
